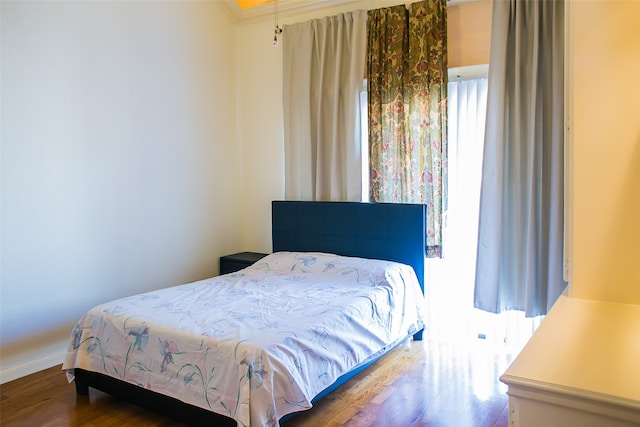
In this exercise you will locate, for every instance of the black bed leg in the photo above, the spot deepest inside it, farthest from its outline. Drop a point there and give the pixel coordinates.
(81, 388)
(418, 335)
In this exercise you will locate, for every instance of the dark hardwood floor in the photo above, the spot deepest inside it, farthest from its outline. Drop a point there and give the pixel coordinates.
(427, 383)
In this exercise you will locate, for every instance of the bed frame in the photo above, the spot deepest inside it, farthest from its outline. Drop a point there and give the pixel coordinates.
(390, 231)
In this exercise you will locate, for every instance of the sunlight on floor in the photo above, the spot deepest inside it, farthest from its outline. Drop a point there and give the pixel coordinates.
(452, 317)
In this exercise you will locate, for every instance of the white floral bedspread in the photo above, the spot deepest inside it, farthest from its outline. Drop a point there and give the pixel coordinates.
(257, 344)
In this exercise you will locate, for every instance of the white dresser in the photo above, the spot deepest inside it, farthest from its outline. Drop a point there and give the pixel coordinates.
(581, 368)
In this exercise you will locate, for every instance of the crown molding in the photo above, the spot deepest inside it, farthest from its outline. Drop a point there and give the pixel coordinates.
(286, 8)
(289, 8)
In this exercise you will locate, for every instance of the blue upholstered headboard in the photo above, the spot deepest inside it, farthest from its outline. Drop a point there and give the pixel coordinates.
(389, 231)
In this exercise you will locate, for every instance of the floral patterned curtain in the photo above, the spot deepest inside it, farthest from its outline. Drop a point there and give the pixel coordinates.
(407, 90)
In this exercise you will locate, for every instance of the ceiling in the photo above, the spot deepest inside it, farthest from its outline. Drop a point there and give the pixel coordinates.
(245, 4)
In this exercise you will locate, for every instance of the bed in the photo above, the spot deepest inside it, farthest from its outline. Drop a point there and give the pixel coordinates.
(343, 286)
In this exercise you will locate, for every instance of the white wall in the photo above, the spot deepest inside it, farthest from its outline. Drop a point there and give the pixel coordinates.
(121, 170)
(261, 130)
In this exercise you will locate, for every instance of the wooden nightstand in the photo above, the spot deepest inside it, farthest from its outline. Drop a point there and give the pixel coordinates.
(235, 262)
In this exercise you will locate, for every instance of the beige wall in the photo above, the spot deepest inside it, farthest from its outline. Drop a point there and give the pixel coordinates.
(469, 33)
(606, 150)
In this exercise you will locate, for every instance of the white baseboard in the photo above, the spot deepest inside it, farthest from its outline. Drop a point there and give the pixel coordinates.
(31, 367)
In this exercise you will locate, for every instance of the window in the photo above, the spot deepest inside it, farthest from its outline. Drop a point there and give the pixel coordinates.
(450, 280)
(364, 146)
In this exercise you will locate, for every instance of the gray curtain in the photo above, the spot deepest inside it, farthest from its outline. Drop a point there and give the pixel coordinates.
(520, 234)
(323, 71)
